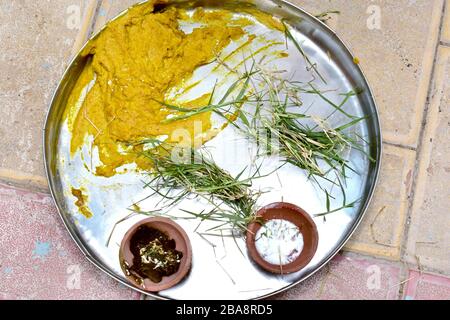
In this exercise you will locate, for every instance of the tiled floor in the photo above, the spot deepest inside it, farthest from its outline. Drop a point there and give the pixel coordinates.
(350, 277)
(404, 48)
(39, 260)
(422, 286)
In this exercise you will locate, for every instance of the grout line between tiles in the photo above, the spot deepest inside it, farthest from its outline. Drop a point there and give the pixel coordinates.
(21, 187)
(83, 33)
(403, 247)
(23, 180)
(94, 19)
(398, 145)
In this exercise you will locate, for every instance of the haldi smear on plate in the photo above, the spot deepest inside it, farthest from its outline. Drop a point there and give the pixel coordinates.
(133, 64)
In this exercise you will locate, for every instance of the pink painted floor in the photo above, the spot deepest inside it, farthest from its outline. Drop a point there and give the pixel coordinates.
(39, 260)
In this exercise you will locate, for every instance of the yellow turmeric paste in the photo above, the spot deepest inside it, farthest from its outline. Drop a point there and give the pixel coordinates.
(134, 62)
(81, 203)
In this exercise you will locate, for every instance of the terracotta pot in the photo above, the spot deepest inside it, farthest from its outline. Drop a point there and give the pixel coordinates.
(295, 215)
(173, 231)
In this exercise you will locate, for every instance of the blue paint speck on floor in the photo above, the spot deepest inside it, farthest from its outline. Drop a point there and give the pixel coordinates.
(7, 270)
(46, 65)
(41, 250)
(62, 253)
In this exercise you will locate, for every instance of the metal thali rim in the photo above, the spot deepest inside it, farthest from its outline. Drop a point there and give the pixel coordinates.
(79, 242)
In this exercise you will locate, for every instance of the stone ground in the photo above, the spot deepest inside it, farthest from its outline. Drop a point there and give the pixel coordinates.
(401, 250)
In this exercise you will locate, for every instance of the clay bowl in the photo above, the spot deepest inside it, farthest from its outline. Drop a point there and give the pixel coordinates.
(295, 215)
(173, 231)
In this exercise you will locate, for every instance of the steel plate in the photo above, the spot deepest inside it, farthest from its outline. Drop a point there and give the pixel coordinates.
(110, 198)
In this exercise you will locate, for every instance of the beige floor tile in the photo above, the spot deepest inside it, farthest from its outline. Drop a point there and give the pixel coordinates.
(429, 235)
(37, 40)
(381, 232)
(397, 58)
(446, 27)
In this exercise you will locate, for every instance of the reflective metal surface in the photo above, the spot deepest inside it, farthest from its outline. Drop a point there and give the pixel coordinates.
(221, 271)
